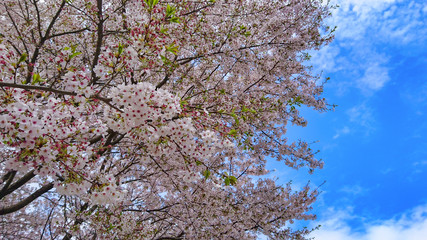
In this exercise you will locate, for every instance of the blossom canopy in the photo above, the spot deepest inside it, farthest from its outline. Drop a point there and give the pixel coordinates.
(148, 119)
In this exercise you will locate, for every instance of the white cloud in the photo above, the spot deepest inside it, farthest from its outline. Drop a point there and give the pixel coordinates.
(354, 189)
(345, 130)
(416, 97)
(362, 116)
(411, 225)
(367, 29)
(325, 59)
(422, 162)
(375, 77)
(388, 21)
(386, 171)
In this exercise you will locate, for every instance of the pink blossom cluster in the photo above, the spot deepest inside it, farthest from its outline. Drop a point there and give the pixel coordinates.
(152, 119)
(141, 104)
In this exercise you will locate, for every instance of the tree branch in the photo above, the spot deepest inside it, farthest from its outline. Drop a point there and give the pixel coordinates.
(42, 40)
(9, 177)
(100, 36)
(179, 237)
(49, 89)
(69, 32)
(33, 87)
(26, 201)
(27, 177)
(163, 82)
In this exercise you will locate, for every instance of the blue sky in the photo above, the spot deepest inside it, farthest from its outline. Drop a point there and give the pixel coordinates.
(375, 143)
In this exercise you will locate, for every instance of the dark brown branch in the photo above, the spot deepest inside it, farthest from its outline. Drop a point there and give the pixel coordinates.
(12, 19)
(42, 40)
(33, 87)
(179, 237)
(26, 201)
(163, 82)
(255, 83)
(186, 60)
(100, 36)
(69, 32)
(197, 10)
(79, 221)
(49, 89)
(261, 79)
(161, 209)
(8, 178)
(27, 177)
(39, 28)
(189, 90)
(47, 221)
(95, 139)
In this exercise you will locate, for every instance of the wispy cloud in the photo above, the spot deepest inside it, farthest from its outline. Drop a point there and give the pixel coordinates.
(418, 163)
(408, 226)
(354, 190)
(375, 77)
(378, 21)
(416, 97)
(365, 27)
(386, 171)
(343, 131)
(362, 116)
(326, 59)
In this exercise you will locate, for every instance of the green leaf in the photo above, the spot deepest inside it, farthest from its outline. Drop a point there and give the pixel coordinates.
(206, 173)
(36, 79)
(236, 118)
(170, 11)
(232, 132)
(174, 19)
(73, 48)
(120, 48)
(163, 30)
(164, 59)
(151, 3)
(170, 14)
(233, 180)
(172, 49)
(75, 54)
(227, 181)
(22, 58)
(183, 103)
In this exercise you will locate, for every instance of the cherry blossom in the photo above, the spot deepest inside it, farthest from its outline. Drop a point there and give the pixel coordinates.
(151, 119)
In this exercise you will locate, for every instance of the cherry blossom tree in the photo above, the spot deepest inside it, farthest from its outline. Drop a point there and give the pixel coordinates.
(148, 119)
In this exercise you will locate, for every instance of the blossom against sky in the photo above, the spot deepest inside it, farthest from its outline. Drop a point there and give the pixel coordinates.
(375, 142)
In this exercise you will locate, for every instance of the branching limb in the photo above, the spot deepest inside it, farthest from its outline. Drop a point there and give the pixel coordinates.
(8, 178)
(61, 92)
(100, 36)
(27, 177)
(26, 201)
